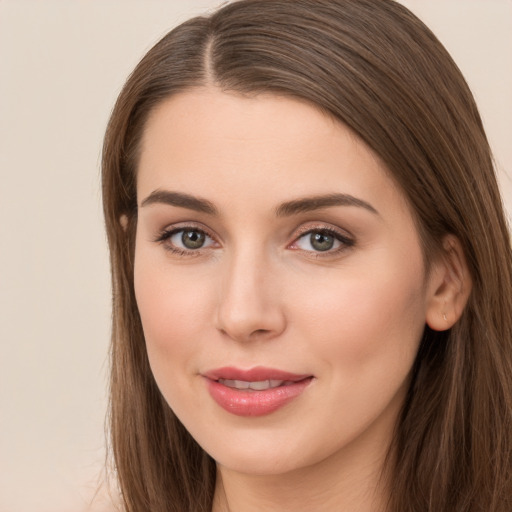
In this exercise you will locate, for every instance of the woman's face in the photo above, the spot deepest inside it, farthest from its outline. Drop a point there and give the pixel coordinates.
(279, 279)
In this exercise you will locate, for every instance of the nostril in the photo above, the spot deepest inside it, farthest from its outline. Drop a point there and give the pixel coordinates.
(259, 333)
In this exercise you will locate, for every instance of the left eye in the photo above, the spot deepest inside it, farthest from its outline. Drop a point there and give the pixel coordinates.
(190, 239)
(320, 241)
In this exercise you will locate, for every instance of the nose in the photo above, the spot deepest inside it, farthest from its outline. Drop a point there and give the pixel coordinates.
(250, 304)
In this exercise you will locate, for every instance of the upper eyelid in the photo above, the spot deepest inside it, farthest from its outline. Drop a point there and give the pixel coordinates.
(345, 240)
(184, 226)
(306, 228)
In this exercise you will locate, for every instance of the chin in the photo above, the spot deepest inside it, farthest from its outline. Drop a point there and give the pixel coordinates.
(258, 464)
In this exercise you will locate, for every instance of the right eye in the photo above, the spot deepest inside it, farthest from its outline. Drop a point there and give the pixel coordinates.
(184, 240)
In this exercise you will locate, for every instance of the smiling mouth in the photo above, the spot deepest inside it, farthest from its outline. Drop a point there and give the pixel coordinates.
(256, 392)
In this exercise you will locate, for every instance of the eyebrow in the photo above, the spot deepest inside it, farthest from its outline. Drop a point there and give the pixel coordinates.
(308, 204)
(181, 200)
(302, 205)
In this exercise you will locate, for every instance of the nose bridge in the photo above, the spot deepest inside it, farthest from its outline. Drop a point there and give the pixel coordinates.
(249, 305)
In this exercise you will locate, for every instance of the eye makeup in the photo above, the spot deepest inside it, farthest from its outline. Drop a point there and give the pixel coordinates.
(320, 240)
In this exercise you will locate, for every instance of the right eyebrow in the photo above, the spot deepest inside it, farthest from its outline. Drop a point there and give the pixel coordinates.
(180, 200)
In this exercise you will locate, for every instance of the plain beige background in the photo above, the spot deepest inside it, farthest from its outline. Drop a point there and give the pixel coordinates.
(62, 63)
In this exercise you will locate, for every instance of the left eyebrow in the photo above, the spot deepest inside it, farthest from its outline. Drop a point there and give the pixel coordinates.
(308, 204)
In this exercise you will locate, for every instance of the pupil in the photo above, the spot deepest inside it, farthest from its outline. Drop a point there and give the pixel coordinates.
(192, 239)
(321, 241)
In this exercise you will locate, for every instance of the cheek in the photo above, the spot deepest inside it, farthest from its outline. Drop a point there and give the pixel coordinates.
(368, 320)
(173, 310)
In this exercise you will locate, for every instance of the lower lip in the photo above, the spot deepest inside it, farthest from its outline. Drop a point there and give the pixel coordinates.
(255, 403)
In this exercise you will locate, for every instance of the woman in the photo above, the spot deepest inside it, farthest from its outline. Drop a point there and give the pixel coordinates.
(311, 269)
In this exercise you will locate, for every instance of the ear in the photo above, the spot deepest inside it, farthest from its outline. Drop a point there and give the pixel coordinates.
(449, 286)
(123, 220)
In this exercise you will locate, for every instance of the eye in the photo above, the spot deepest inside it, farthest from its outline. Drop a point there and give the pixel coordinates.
(185, 240)
(189, 239)
(322, 240)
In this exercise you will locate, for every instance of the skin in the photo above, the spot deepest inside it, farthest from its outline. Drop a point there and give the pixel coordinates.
(258, 293)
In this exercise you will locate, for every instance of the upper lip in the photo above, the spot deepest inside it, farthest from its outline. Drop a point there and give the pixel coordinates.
(256, 374)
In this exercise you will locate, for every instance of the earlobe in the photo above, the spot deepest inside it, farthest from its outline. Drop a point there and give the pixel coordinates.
(449, 286)
(123, 220)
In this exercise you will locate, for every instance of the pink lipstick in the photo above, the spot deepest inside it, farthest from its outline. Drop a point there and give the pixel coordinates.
(254, 392)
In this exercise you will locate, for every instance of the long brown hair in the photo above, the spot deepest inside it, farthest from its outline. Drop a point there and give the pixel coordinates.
(375, 67)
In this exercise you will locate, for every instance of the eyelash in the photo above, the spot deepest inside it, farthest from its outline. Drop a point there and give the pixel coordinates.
(165, 236)
(346, 242)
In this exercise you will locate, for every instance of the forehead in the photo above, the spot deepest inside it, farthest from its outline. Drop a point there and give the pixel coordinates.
(208, 113)
(267, 147)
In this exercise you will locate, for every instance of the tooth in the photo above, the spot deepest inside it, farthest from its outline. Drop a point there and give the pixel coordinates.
(237, 384)
(241, 384)
(260, 385)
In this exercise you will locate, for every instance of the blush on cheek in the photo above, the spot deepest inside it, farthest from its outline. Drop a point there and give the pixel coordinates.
(172, 311)
(362, 319)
